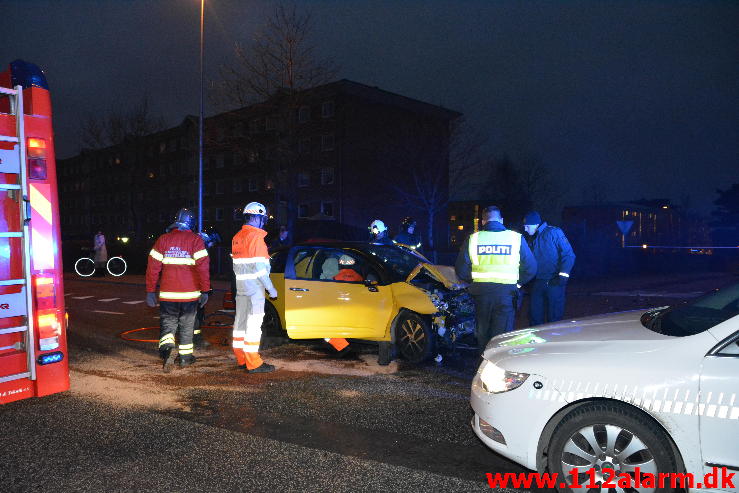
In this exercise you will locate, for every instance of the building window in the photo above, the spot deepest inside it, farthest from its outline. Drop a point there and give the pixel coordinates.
(228, 159)
(237, 186)
(327, 176)
(327, 109)
(219, 214)
(238, 215)
(304, 114)
(219, 161)
(252, 156)
(303, 210)
(162, 147)
(303, 179)
(255, 126)
(304, 146)
(219, 187)
(253, 184)
(327, 142)
(327, 209)
(269, 184)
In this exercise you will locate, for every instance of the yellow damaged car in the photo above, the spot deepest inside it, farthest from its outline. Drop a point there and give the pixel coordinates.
(367, 291)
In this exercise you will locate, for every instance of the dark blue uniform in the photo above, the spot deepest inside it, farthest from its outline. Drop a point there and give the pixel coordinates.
(555, 257)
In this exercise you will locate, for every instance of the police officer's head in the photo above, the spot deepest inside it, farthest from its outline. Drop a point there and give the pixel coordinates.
(531, 222)
(491, 213)
(255, 214)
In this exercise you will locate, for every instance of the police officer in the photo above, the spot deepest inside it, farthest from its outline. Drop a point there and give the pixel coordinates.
(181, 259)
(496, 261)
(555, 259)
(407, 236)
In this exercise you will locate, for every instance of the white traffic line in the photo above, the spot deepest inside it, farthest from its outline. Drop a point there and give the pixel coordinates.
(131, 302)
(68, 294)
(109, 313)
(81, 297)
(649, 294)
(106, 300)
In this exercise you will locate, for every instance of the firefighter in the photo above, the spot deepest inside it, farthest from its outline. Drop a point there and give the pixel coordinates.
(496, 261)
(555, 259)
(407, 236)
(211, 238)
(251, 269)
(182, 260)
(378, 233)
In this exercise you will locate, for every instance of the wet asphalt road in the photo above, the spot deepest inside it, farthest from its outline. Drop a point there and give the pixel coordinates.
(352, 428)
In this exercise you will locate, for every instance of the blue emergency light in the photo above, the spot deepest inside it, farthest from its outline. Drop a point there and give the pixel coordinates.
(49, 358)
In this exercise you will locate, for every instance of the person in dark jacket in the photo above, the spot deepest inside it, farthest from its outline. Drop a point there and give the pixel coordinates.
(555, 258)
(407, 236)
(496, 261)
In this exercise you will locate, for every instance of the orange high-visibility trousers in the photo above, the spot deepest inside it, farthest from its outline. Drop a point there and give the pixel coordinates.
(247, 332)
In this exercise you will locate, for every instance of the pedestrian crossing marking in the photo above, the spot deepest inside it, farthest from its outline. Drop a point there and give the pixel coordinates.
(132, 302)
(81, 297)
(106, 300)
(109, 313)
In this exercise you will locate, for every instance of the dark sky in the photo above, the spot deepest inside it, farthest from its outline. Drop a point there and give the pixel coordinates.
(624, 99)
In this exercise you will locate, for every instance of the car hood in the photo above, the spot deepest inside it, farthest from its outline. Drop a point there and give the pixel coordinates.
(443, 273)
(621, 326)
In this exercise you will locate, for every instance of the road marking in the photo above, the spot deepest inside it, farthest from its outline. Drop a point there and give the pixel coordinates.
(68, 294)
(109, 313)
(132, 302)
(81, 297)
(649, 294)
(109, 299)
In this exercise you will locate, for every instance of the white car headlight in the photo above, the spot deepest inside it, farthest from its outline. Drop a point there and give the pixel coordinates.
(495, 379)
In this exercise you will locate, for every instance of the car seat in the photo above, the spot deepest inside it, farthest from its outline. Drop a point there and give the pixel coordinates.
(330, 268)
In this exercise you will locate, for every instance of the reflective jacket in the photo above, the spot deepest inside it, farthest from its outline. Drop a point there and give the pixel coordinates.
(553, 252)
(251, 260)
(412, 241)
(495, 256)
(182, 260)
(526, 262)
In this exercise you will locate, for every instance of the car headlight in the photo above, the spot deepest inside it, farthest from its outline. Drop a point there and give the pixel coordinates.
(495, 379)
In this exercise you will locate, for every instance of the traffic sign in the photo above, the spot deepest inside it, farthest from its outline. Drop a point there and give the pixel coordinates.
(624, 226)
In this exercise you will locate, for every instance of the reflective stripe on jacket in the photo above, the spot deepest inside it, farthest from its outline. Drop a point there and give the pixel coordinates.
(495, 256)
(182, 260)
(250, 260)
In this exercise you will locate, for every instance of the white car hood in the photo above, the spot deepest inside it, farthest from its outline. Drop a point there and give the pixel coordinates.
(593, 336)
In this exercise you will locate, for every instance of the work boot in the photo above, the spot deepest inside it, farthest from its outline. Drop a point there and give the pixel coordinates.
(263, 368)
(168, 359)
(185, 360)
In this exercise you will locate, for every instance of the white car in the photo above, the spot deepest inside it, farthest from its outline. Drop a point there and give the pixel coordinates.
(657, 390)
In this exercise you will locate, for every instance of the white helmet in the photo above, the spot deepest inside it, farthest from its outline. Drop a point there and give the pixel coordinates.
(377, 224)
(346, 260)
(255, 208)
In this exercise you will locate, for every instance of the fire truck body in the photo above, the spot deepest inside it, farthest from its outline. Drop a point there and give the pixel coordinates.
(33, 346)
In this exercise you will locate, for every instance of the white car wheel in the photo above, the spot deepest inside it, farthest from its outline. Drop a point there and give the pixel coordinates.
(602, 436)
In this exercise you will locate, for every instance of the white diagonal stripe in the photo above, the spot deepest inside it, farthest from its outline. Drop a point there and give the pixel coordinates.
(106, 300)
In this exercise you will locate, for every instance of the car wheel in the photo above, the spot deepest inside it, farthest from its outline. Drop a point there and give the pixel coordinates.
(413, 338)
(271, 325)
(608, 436)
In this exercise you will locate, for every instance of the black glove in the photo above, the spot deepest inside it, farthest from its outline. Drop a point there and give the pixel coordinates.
(559, 281)
(151, 299)
(203, 300)
(518, 298)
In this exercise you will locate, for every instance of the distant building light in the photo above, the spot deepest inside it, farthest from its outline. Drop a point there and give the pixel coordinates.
(644, 245)
(124, 239)
(453, 218)
(460, 227)
(665, 206)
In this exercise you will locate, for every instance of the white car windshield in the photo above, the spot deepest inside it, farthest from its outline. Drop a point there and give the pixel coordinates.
(697, 315)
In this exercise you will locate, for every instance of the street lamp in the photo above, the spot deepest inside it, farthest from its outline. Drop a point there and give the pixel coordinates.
(200, 124)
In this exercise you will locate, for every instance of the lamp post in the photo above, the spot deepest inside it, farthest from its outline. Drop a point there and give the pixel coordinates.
(200, 124)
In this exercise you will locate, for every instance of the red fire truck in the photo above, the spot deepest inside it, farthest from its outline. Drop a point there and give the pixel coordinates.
(33, 345)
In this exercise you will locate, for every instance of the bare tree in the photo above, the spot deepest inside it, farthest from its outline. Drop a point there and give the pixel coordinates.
(98, 131)
(274, 71)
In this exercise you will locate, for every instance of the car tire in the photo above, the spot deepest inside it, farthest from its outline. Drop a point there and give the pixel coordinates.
(414, 340)
(636, 442)
(385, 353)
(271, 325)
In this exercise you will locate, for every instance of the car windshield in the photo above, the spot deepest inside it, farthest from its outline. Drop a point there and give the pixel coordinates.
(399, 262)
(698, 315)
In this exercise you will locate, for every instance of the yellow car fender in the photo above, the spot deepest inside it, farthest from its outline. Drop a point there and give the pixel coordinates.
(411, 298)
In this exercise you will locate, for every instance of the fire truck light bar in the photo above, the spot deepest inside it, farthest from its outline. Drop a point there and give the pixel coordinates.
(47, 359)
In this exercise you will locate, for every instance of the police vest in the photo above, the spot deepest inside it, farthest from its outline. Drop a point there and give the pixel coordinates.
(495, 256)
